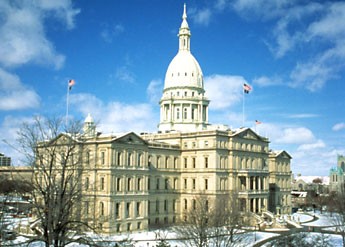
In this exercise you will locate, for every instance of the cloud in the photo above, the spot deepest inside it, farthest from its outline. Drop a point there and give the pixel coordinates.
(296, 135)
(154, 91)
(265, 81)
(297, 24)
(109, 33)
(338, 126)
(202, 17)
(22, 35)
(319, 144)
(14, 95)
(116, 116)
(224, 90)
(124, 74)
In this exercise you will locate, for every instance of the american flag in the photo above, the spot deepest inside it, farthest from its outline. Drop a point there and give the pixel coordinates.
(246, 88)
(71, 84)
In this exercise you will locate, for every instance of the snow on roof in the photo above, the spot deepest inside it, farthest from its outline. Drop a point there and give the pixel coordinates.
(309, 179)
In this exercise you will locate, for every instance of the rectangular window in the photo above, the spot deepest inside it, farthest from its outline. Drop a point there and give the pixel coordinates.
(138, 208)
(117, 210)
(165, 205)
(128, 207)
(157, 184)
(166, 183)
(102, 158)
(185, 162)
(194, 162)
(185, 183)
(87, 183)
(102, 183)
(194, 183)
(206, 184)
(206, 162)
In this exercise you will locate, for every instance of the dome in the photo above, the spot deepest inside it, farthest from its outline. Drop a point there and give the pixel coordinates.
(88, 119)
(183, 71)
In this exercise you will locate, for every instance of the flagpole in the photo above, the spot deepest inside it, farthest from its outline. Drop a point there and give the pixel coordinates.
(243, 107)
(67, 103)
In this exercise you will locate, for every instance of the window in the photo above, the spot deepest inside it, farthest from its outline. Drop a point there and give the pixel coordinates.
(166, 162)
(165, 205)
(102, 183)
(157, 184)
(87, 183)
(185, 183)
(194, 163)
(166, 183)
(88, 158)
(119, 156)
(194, 183)
(117, 210)
(185, 113)
(129, 159)
(102, 158)
(101, 208)
(139, 184)
(175, 163)
(157, 206)
(177, 113)
(206, 162)
(130, 184)
(174, 205)
(175, 183)
(138, 208)
(118, 184)
(194, 204)
(185, 162)
(128, 207)
(86, 208)
(148, 183)
(185, 204)
(206, 184)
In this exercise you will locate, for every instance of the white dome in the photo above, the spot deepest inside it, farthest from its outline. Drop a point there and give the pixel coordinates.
(183, 71)
(88, 119)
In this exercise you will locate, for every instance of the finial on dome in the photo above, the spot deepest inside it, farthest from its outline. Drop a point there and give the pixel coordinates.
(184, 18)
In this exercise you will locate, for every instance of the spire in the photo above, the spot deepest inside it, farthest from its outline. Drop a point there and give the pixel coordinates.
(184, 18)
(184, 32)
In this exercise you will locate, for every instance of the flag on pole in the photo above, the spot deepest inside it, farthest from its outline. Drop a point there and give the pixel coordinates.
(258, 122)
(71, 84)
(246, 88)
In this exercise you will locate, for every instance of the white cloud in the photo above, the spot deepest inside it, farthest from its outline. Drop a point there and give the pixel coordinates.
(109, 33)
(154, 91)
(124, 74)
(296, 136)
(14, 95)
(116, 116)
(202, 17)
(319, 144)
(267, 81)
(22, 34)
(224, 90)
(338, 126)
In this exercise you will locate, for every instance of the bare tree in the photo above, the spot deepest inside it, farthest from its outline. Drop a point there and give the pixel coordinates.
(10, 193)
(336, 205)
(55, 152)
(215, 221)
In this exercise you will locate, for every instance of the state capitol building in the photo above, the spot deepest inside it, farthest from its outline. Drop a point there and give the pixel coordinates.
(133, 182)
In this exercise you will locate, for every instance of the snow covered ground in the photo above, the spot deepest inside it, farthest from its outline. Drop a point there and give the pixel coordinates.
(151, 238)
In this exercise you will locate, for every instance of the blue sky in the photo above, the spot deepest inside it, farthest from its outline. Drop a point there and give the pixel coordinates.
(292, 53)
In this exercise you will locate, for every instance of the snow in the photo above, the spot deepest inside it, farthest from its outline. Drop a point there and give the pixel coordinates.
(151, 238)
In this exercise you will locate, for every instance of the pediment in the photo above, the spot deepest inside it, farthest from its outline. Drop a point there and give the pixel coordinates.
(130, 138)
(248, 133)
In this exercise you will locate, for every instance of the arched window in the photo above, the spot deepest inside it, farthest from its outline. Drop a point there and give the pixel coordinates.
(185, 113)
